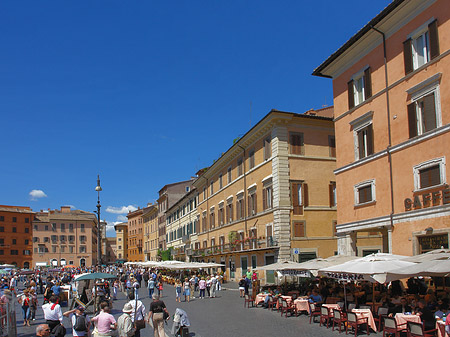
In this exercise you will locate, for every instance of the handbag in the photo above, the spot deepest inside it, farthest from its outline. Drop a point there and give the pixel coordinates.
(140, 323)
(165, 315)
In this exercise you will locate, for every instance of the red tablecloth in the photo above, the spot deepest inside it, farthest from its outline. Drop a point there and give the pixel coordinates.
(302, 305)
(366, 313)
(402, 318)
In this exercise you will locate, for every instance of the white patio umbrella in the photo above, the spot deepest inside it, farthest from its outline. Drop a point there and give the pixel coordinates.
(281, 265)
(371, 268)
(436, 254)
(314, 265)
(436, 268)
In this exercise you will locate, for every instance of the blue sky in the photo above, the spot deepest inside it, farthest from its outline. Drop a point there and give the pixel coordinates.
(145, 93)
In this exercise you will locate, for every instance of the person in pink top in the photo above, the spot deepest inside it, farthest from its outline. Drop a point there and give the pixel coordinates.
(202, 287)
(105, 322)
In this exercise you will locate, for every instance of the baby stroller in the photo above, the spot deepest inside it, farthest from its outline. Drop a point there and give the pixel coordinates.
(180, 323)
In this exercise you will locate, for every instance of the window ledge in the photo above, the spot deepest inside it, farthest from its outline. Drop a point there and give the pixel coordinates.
(369, 203)
(431, 188)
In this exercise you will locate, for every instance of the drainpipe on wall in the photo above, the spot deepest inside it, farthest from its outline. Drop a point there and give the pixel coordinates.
(388, 110)
(207, 211)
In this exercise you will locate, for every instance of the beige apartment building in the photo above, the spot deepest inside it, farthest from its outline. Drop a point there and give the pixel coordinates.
(63, 237)
(150, 218)
(181, 226)
(168, 195)
(121, 241)
(270, 196)
(392, 119)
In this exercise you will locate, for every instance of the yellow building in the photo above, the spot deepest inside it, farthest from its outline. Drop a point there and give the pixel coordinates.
(271, 195)
(122, 241)
(150, 218)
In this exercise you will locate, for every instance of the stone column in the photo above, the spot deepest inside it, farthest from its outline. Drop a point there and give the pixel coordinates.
(347, 244)
(281, 191)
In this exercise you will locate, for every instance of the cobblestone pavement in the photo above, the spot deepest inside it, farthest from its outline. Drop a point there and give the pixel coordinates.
(223, 316)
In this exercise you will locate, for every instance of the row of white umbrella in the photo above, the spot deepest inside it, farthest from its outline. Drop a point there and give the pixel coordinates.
(379, 267)
(176, 265)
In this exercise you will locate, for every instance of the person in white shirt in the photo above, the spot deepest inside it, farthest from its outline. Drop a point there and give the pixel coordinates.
(138, 313)
(52, 313)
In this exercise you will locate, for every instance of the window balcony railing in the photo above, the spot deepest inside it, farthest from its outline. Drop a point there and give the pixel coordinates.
(237, 246)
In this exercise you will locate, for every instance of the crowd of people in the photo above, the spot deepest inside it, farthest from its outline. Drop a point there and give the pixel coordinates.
(55, 285)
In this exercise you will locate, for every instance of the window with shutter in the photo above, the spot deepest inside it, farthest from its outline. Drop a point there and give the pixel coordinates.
(364, 141)
(332, 194)
(267, 148)
(297, 197)
(297, 143)
(430, 176)
(359, 88)
(421, 47)
(239, 167)
(332, 146)
(267, 197)
(423, 115)
(251, 159)
(365, 192)
(299, 229)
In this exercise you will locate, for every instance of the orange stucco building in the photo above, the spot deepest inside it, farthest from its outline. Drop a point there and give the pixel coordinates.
(392, 122)
(135, 228)
(16, 235)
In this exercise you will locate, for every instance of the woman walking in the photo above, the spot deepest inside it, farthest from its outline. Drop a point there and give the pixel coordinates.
(187, 290)
(25, 302)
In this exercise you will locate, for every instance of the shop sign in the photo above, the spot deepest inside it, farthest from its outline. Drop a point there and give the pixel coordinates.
(346, 276)
(430, 199)
(431, 242)
(291, 272)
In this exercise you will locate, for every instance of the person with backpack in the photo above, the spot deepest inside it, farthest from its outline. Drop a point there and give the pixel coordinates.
(80, 321)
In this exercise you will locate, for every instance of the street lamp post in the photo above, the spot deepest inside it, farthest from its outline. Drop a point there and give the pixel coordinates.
(98, 188)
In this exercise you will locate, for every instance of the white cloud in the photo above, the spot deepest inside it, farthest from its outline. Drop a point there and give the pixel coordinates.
(122, 218)
(37, 194)
(121, 210)
(71, 206)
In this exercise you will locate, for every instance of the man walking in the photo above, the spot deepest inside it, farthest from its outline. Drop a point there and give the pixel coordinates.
(125, 326)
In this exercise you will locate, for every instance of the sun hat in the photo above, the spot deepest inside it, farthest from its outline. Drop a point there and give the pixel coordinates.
(127, 308)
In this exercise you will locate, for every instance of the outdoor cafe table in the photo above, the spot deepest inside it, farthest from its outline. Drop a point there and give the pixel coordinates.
(331, 306)
(302, 304)
(402, 318)
(260, 298)
(288, 299)
(366, 313)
